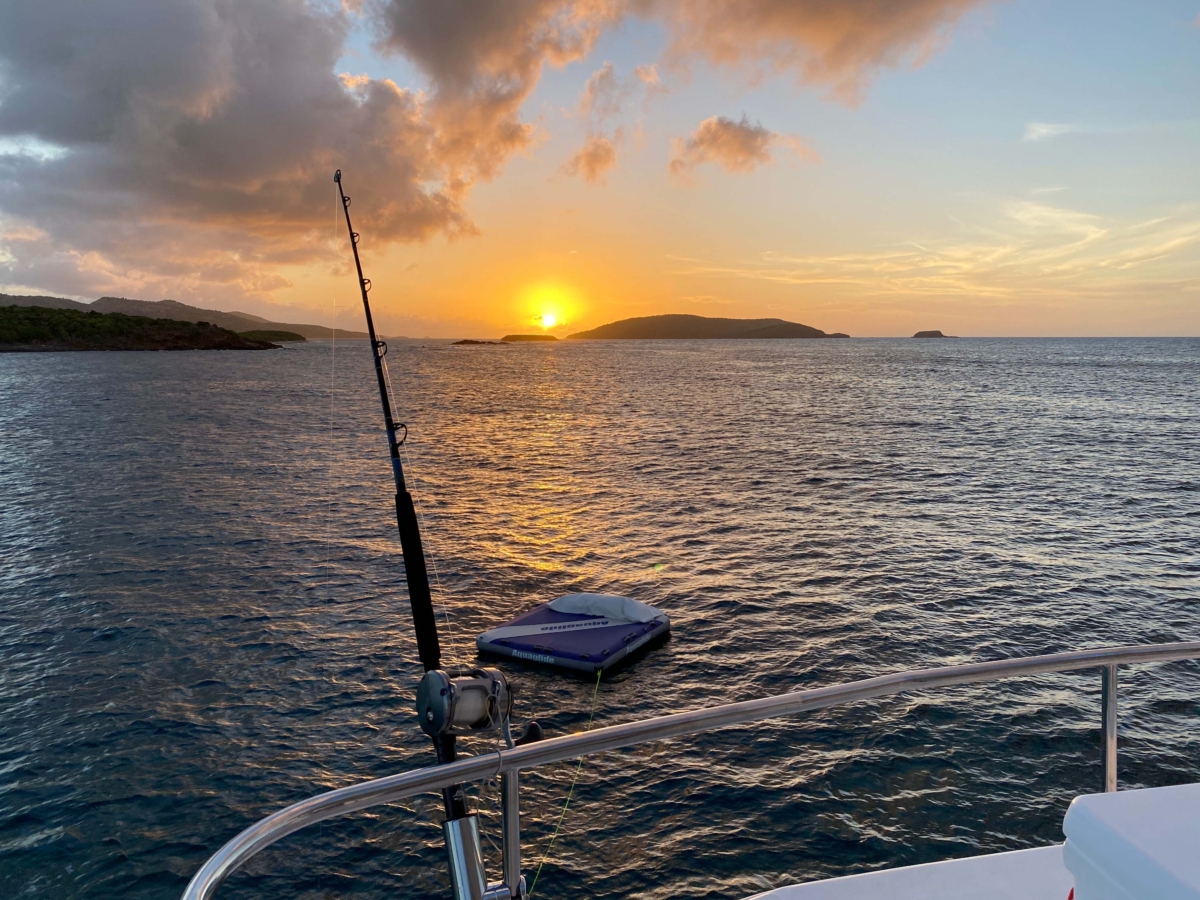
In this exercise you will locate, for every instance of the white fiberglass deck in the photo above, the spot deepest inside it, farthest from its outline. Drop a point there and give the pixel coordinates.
(1143, 843)
(1019, 875)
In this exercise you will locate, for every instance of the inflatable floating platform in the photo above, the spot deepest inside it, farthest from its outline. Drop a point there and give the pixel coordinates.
(581, 632)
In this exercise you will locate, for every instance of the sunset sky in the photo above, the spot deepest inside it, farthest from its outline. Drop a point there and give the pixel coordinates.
(868, 166)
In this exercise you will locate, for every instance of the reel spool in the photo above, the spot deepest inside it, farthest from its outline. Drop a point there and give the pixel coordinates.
(463, 701)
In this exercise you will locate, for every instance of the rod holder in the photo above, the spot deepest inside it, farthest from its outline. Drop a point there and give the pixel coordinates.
(510, 811)
(466, 860)
(1108, 703)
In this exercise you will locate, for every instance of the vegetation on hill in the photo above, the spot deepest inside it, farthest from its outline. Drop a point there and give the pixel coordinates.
(46, 328)
(170, 309)
(685, 327)
(283, 337)
(41, 300)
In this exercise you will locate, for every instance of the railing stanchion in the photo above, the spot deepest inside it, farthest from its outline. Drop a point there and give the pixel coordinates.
(1108, 701)
(510, 811)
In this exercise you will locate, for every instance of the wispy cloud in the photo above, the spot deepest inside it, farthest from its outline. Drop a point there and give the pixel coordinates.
(1032, 250)
(1043, 131)
(602, 99)
(841, 45)
(648, 76)
(603, 93)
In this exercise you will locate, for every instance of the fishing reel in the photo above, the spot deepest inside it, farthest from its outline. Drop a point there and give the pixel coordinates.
(463, 701)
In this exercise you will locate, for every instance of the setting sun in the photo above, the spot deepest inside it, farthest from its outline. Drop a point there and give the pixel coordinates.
(548, 304)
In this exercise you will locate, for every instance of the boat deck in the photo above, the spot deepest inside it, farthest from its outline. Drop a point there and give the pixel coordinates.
(1018, 875)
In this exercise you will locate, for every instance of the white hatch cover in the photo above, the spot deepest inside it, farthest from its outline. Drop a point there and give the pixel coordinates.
(1135, 844)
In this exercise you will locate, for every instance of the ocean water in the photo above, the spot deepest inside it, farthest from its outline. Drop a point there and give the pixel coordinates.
(203, 615)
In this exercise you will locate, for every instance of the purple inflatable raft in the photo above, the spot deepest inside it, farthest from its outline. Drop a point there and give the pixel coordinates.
(581, 632)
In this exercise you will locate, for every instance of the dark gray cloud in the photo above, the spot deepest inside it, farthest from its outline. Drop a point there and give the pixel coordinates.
(196, 141)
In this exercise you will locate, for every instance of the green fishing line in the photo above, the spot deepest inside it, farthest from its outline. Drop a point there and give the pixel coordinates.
(563, 814)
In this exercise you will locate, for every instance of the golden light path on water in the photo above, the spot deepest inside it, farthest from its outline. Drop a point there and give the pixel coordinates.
(205, 619)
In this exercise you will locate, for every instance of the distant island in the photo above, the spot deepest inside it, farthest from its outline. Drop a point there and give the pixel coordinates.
(685, 327)
(33, 328)
(471, 343)
(931, 334)
(169, 309)
(517, 338)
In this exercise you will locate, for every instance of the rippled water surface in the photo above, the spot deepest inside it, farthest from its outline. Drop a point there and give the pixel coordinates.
(203, 616)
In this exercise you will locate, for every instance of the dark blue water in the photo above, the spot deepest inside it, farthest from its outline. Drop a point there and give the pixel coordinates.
(203, 616)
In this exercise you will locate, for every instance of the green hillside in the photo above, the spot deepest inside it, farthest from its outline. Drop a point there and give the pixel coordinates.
(170, 309)
(46, 328)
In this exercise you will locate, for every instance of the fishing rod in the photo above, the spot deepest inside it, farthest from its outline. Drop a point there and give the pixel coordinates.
(450, 702)
(424, 623)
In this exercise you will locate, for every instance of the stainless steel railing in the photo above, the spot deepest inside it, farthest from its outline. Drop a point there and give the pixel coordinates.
(509, 762)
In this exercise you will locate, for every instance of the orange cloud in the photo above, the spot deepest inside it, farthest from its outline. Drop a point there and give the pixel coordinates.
(841, 45)
(602, 94)
(593, 160)
(485, 62)
(647, 74)
(600, 100)
(735, 146)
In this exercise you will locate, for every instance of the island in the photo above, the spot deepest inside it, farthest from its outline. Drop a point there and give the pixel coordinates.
(931, 334)
(470, 343)
(685, 327)
(240, 322)
(32, 328)
(518, 338)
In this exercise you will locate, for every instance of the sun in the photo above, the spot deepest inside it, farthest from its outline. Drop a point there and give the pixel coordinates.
(547, 305)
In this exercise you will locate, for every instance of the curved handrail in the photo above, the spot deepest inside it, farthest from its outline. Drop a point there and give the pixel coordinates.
(393, 788)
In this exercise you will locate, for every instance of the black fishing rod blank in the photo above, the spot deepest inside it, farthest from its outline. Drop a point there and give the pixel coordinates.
(458, 701)
(424, 623)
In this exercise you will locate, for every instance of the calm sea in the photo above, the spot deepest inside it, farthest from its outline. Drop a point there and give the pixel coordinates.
(203, 615)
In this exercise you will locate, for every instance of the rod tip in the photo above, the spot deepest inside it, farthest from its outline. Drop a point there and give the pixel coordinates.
(337, 176)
